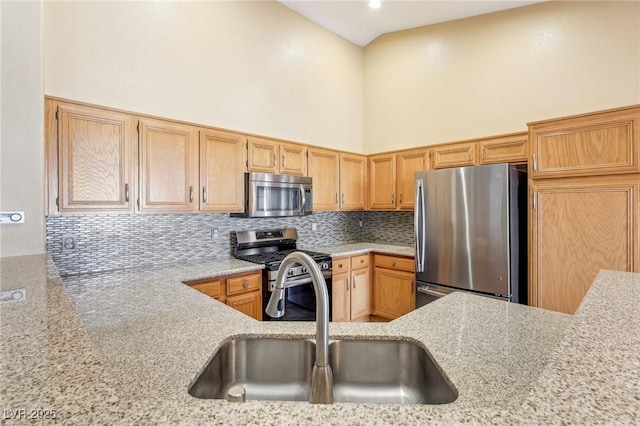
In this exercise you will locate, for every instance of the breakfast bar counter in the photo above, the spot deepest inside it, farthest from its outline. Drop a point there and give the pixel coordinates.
(124, 347)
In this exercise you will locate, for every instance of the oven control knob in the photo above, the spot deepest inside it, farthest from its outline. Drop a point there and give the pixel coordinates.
(325, 265)
(304, 269)
(290, 272)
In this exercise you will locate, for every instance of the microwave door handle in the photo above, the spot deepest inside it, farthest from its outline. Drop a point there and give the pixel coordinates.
(303, 200)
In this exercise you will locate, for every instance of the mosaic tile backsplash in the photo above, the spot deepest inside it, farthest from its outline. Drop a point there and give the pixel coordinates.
(109, 242)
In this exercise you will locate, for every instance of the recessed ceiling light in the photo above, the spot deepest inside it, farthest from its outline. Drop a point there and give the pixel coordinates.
(375, 4)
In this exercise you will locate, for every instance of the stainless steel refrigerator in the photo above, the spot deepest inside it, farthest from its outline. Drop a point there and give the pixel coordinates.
(471, 232)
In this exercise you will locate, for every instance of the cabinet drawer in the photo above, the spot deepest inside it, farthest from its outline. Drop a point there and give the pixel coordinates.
(210, 288)
(244, 283)
(340, 264)
(361, 261)
(393, 262)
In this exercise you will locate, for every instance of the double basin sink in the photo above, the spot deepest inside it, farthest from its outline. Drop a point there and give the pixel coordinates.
(364, 371)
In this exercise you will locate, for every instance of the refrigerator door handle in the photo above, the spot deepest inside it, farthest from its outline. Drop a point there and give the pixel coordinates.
(418, 219)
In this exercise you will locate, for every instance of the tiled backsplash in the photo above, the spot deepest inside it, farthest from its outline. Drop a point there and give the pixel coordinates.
(107, 242)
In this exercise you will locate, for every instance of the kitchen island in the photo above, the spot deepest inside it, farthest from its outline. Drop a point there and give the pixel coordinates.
(124, 346)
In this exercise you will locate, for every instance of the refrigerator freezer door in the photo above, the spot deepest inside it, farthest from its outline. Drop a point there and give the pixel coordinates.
(466, 228)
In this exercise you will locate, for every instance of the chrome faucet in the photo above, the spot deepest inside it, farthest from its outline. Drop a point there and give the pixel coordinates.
(322, 377)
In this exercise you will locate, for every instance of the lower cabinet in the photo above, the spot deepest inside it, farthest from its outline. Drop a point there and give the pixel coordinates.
(578, 227)
(241, 292)
(393, 286)
(351, 289)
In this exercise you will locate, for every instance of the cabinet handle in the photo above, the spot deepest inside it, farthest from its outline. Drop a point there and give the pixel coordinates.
(392, 198)
(400, 200)
(393, 263)
(343, 198)
(191, 193)
(339, 265)
(354, 282)
(361, 260)
(482, 153)
(204, 194)
(534, 201)
(126, 192)
(283, 164)
(337, 201)
(347, 284)
(412, 286)
(535, 163)
(245, 284)
(274, 159)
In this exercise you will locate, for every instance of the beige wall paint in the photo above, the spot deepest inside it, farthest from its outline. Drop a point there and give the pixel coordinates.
(21, 146)
(256, 67)
(492, 74)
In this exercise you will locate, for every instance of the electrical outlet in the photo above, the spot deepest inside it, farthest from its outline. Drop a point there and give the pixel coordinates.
(360, 223)
(68, 242)
(214, 233)
(314, 226)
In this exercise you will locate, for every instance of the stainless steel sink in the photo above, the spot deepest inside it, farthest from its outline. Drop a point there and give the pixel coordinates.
(365, 371)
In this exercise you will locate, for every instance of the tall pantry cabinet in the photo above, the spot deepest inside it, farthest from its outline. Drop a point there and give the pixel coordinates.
(584, 183)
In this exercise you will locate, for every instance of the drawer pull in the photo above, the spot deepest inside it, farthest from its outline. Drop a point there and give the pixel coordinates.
(339, 265)
(245, 284)
(393, 263)
(361, 260)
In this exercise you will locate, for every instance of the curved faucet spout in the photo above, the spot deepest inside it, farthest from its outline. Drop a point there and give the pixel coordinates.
(322, 377)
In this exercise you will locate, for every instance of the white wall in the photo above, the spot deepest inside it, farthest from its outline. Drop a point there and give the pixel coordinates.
(22, 143)
(253, 66)
(492, 74)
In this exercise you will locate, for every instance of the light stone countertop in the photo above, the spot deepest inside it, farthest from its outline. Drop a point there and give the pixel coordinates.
(351, 249)
(124, 346)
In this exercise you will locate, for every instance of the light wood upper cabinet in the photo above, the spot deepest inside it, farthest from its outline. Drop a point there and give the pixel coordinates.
(293, 159)
(504, 149)
(262, 155)
(408, 163)
(382, 181)
(353, 180)
(265, 155)
(324, 169)
(591, 144)
(168, 166)
(454, 155)
(96, 159)
(222, 166)
(579, 226)
(391, 178)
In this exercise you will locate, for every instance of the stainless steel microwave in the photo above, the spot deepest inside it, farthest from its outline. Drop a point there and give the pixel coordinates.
(273, 195)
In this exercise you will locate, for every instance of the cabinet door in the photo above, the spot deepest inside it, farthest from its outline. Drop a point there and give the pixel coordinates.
(210, 288)
(580, 226)
(360, 293)
(408, 163)
(293, 159)
(593, 144)
(504, 149)
(382, 182)
(95, 159)
(353, 175)
(222, 166)
(454, 155)
(340, 298)
(168, 166)
(393, 293)
(324, 169)
(248, 303)
(262, 155)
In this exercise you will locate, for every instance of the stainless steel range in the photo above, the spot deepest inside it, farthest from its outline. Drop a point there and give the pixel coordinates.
(270, 247)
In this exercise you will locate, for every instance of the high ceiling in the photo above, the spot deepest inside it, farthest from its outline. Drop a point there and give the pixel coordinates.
(355, 21)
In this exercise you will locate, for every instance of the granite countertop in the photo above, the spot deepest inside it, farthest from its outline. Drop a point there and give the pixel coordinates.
(124, 346)
(351, 249)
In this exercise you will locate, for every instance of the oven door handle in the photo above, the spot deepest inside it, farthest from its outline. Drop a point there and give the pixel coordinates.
(291, 283)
